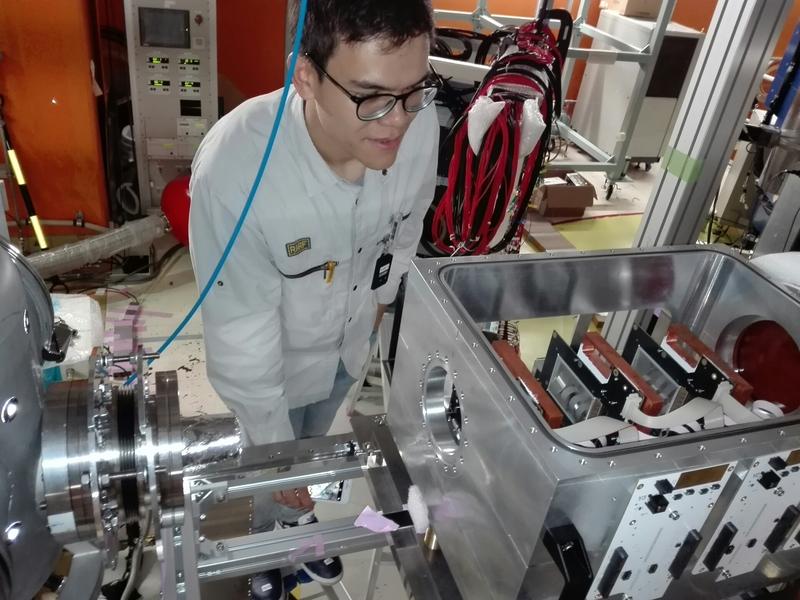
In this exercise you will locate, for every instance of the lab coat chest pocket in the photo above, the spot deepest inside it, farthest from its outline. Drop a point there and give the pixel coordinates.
(307, 297)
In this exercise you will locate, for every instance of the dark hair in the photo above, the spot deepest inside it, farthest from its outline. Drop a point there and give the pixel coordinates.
(329, 22)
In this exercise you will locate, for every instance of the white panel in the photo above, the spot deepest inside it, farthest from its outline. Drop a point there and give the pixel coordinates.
(652, 539)
(763, 497)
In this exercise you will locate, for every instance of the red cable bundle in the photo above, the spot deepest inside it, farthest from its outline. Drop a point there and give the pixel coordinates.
(482, 186)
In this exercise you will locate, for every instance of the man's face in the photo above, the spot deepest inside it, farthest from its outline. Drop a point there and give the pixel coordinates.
(365, 69)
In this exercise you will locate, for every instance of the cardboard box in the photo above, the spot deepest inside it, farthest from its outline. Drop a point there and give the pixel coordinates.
(563, 195)
(644, 9)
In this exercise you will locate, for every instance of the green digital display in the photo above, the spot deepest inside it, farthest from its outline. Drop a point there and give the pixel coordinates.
(159, 82)
(189, 61)
(190, 84)
(158, 60)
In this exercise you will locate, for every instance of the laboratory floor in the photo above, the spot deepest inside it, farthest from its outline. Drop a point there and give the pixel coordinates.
(165, 300)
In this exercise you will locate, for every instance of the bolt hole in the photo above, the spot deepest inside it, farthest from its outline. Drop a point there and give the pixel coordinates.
(9, 410)
(12, 532)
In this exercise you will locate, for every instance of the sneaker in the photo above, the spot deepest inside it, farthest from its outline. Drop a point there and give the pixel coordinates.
(327, 571)
(267, 585)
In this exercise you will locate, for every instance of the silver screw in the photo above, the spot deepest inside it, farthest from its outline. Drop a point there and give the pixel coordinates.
(220, 546)
(533, 430)
(743, 441)
(611, 463)
(701, 448)
(582, 461)
(658, 455)
(553, 449)
(674, 515)
(203, 516)
(632, 523)
(640, 486)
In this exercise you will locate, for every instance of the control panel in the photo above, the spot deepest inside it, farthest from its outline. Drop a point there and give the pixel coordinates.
(659, 533)
(172, 54)
(761, 519)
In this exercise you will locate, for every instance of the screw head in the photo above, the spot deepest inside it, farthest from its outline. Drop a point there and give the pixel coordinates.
(12, 532)
(9, 410)
(220, 546)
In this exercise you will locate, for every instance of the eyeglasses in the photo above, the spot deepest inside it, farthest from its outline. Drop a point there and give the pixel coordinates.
(375, 106)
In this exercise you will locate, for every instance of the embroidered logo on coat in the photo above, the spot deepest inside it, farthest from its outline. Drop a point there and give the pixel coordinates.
(296, 247)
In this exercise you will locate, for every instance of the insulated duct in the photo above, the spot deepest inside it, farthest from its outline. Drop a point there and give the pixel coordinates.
(73, 256)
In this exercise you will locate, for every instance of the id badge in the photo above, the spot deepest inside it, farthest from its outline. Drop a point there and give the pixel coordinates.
(382, 267)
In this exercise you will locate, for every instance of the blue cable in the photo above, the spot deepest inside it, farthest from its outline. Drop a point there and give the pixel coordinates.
(251, 196)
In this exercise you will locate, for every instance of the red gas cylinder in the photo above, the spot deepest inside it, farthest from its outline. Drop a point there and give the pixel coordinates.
(175, 206)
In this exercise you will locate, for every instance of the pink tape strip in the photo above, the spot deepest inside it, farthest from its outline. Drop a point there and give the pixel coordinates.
(315, 542)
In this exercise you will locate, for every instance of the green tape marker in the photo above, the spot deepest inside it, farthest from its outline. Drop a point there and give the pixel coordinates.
(683, 166)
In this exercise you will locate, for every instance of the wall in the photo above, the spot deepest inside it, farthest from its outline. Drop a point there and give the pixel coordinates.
(250, 37)
(50, 108)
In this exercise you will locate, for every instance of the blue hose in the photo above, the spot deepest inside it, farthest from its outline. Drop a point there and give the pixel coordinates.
(251, 196)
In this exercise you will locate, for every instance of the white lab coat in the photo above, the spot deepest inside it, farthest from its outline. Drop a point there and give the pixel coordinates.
(273, 338)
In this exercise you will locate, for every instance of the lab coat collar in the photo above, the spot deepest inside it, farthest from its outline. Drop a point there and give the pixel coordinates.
(317, 175)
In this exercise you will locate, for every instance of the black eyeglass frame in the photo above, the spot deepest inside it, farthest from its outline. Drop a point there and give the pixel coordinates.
(359, 100)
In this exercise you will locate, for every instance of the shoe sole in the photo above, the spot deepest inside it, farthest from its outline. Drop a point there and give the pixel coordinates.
(321, 580)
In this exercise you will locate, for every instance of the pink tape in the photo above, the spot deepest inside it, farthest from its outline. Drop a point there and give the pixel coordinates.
(374, 521)
(315, 542)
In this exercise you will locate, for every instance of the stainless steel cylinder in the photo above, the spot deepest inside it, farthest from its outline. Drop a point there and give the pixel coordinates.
(27, 550)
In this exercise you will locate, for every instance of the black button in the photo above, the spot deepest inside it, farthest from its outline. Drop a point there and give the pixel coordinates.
(769, 480)
(664, 486)
(657, 503)
(777, 463)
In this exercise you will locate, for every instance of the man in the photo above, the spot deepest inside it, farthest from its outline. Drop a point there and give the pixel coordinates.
(334, 226)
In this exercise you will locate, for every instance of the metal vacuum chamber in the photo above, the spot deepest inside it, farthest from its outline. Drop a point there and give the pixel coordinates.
(523, 510)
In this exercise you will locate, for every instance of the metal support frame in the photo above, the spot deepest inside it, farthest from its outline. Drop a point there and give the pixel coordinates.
(616, 164)
(735, 51)
(191, 560)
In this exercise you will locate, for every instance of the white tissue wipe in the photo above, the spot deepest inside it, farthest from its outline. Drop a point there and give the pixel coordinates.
(418, 510)
(533, 126)
(481, 116)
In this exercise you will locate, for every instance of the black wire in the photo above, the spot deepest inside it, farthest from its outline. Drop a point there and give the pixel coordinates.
(794, 221)
(125, 293)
